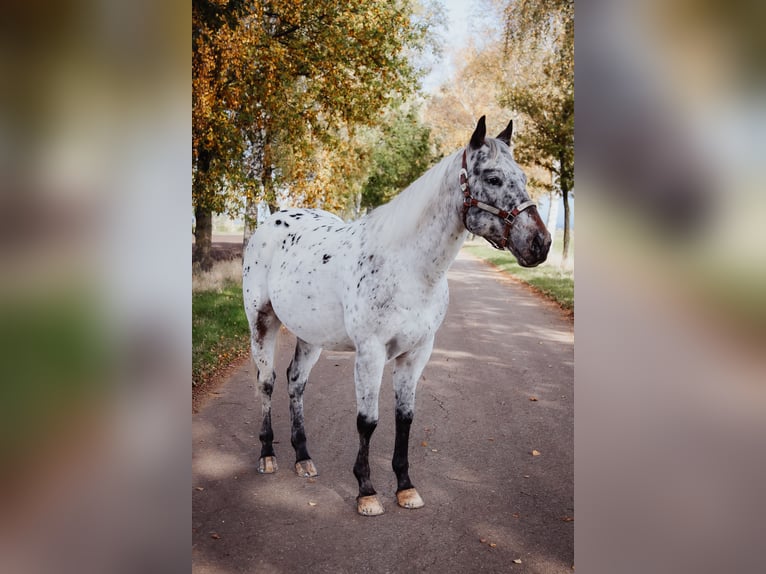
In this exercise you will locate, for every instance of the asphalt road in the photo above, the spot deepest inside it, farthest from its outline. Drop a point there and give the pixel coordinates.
(489, 501)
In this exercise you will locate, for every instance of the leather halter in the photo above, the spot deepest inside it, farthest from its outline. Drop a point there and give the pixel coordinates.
(508, 217)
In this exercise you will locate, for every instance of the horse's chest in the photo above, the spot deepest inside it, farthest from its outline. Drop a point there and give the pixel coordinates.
(397, 305)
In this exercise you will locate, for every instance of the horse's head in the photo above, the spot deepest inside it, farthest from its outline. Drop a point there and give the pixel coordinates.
(496, 204)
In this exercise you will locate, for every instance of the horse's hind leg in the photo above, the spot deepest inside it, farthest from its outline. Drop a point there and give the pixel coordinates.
(306, 356)
(406, 373)
(264, 330)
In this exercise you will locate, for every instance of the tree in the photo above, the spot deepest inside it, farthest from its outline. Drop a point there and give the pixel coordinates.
(401, 155)
(539, 44)
(275, 77)
(474, 91)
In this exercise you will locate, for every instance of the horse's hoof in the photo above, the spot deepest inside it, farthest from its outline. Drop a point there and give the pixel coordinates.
(267, 465)
(306, 468)
(369, 505)
(409, 499)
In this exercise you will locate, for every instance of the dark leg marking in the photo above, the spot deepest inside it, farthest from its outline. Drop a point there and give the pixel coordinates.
(400, 462)
(264, 320)
(298, 433)
(267, 435)
(362, 466)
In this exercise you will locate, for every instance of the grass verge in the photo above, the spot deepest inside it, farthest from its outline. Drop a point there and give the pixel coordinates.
(550, 281)
(220, 334)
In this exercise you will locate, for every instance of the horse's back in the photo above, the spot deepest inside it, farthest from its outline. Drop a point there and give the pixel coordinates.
(282, 225)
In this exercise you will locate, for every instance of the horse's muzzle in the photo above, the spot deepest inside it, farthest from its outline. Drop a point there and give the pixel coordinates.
(537, 251)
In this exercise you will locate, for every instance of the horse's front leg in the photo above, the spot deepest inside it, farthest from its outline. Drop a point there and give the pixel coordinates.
(368, 371)
(407, 371)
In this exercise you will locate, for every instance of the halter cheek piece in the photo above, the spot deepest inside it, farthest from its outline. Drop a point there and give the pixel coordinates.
(508, 217)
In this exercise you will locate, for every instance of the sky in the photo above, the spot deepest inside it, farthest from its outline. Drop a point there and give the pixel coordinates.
(458, 25)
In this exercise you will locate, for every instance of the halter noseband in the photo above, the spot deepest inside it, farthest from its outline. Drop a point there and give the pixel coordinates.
(508, 217)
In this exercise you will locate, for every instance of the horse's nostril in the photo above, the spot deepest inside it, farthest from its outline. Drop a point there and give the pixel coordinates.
(539, 244)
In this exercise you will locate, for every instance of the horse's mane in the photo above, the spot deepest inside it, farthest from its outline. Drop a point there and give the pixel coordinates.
(400, 215)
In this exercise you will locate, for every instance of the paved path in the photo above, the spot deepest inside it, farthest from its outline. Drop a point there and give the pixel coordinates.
(473, 433)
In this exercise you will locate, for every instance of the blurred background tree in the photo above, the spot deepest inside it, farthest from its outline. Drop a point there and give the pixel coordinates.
(539, 84)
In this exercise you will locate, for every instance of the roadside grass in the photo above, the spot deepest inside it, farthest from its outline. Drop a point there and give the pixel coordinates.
(222, 273)
(551, 281)
(220, 333)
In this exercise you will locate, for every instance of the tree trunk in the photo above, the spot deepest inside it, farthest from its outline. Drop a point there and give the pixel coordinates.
(565, 251)
(267, 180)
(251, 221)
(203, 238)
(553, 210)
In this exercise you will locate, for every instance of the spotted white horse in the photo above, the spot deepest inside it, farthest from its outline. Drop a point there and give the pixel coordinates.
(378, 286)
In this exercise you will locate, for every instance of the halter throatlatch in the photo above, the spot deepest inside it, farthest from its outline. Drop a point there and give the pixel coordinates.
(507, 216)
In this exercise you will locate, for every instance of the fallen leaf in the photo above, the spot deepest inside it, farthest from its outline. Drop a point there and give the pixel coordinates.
(526, 476)
(515, 515)
(199, 488)
(312, 503)
(483, 540)
(533, 399)
(216, 536)
(567, 518)
(535, 453)
(424, 443)
(492, 545)
(490, 439)
(434, 450)
(517, 560)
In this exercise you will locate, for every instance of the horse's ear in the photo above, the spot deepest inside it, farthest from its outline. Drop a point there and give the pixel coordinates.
(505, 135)
(477, 139)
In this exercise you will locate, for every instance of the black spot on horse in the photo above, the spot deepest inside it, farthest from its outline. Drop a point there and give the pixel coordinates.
(278, 222)
(263, 320)
(326, 258)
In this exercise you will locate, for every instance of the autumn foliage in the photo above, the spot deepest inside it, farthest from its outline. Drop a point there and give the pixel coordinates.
(279, 88)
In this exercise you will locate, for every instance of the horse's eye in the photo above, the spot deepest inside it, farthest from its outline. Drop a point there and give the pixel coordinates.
(494, 180)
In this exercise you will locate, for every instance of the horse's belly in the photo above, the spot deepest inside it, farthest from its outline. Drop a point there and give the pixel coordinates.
(313, 314)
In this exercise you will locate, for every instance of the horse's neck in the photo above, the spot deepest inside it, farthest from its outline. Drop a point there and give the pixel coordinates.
(430, 230)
